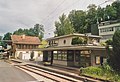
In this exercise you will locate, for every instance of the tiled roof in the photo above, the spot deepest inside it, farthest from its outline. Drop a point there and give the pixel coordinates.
(22, 39)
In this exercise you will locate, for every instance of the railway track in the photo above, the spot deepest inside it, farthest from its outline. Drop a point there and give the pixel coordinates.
(54, 75)
(50, 75)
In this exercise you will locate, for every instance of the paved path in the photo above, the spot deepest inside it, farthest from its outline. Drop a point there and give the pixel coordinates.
(9, 73)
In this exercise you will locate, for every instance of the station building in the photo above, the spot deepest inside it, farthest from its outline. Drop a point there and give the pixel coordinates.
(22, 46)
(61, 51)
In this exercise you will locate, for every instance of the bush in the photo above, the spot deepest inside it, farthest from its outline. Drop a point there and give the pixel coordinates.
(92, 70)
(103, 72)
(31, 56)
(114, 58)
(78, 40)
(109, 42)
(102, 43)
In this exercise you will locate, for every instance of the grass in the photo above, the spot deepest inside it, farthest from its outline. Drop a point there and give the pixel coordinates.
(103, 72)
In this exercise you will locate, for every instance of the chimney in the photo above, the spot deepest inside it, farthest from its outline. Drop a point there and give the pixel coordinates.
(23, 36)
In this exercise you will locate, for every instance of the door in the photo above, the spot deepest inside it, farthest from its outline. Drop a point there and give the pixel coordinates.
(70, 58)
(20, 55)
(77, 58)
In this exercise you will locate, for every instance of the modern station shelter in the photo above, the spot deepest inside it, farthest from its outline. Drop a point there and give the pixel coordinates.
(61, 51)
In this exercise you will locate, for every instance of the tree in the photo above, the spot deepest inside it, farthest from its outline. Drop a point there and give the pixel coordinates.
(100, 14)
(110, 13)
(77, 18)
(7, 36)
(63, 26)
(31, 56)
(39, 31)
(19, 32)
(0, 40)
(91, 17)
(114, 59)
(78, 40)
(116, 6)
(109, 42)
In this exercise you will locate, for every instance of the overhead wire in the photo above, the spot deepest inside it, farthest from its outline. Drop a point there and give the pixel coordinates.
(54, 10)
(63, 11)
(50, 29)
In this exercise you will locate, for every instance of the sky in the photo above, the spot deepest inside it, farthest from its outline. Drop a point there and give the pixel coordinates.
(15, 14)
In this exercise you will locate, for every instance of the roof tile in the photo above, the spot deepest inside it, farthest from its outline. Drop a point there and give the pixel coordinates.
(22, 39)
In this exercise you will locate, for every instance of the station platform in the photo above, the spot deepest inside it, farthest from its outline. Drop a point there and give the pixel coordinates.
(55, 66)
(70, 71)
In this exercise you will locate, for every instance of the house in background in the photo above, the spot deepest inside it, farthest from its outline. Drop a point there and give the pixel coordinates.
(61, 51)
(108, 28)
(23, 46)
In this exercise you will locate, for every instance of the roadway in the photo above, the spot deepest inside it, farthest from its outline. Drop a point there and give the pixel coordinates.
(9, 73)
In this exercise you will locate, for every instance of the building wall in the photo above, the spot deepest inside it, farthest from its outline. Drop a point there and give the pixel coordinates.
(25, 55)
(57, 62)
(95, 55)
(78, 58)
(65, 41)
(107, 31)
(106, 37)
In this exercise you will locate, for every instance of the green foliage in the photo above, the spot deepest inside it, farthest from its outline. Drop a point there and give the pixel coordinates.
(102, 72)
(109, 42)
(82, 21)
(92, 70)
(44, 43)
(78, 40)
(116, 6)
(32, 55)
(114, 58)
(110, 13)
(63, 26)
(19, 32)
(37, 31)
(7, 36)
(102, 43)
(77, 18)
(100, 14)
(0, 37)
(0, 41)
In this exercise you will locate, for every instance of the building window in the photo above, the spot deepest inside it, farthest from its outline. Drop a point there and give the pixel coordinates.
(27, 46)
(18, 46)
(64, 55)
(27, 52)
(30, 46)
(49, 42)
(24, 46)
(35, 47)
(55, 56)
(106, 29)
(97, 60)
(60, 55)
(64, 41)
